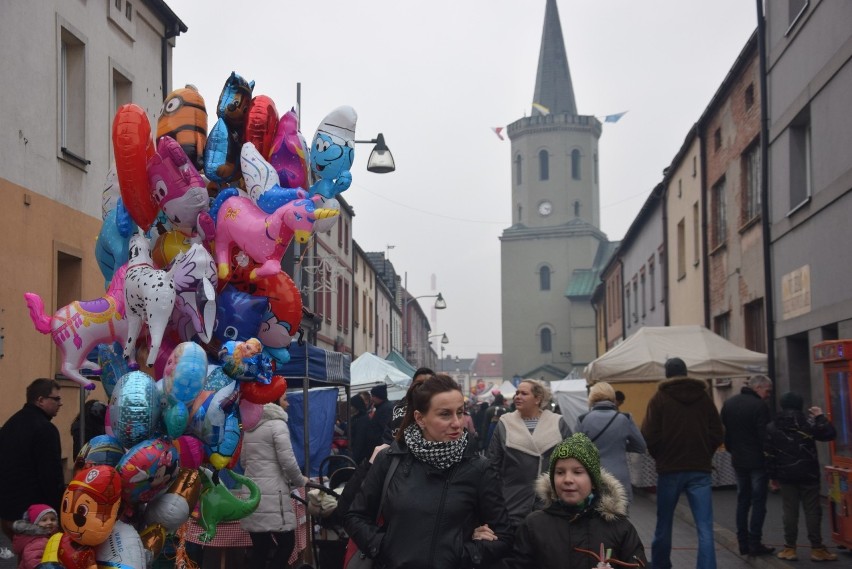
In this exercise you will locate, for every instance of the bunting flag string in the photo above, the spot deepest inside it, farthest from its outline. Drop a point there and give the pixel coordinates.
(498, 130)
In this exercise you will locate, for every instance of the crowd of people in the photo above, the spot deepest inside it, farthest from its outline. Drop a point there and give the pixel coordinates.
(445, 481)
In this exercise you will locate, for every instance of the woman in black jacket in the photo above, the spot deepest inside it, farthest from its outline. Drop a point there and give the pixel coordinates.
(443, 508)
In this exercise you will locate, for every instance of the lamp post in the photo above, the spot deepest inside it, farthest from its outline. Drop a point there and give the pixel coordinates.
(440, 304)
(444, 340)
(381, 159)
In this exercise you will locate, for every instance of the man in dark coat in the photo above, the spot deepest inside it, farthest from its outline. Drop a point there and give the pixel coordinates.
(380, 418)
(683, 430)
(745, 417)
(32, 454)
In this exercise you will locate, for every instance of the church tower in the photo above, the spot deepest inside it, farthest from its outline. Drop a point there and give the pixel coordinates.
(551, 253)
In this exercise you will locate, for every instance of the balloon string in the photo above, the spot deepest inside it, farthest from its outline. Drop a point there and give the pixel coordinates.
(182, 560)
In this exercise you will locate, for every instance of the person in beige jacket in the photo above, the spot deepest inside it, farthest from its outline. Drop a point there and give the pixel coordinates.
(268, 459)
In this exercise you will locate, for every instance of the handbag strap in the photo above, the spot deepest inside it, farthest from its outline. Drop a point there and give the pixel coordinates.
(394, 463)
(617, 413)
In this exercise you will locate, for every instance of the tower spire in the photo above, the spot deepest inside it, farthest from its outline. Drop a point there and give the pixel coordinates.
(554, 92)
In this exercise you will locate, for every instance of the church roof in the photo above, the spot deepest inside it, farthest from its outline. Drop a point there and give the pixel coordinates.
(584, 281)
(554, 92)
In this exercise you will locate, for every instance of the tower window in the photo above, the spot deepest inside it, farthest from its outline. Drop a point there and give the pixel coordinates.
(544, 278)
(575, 164)
(543, 165)
(518, 163)
(545, 340)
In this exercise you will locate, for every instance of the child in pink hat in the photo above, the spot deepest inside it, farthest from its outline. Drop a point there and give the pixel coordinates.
(31, 534)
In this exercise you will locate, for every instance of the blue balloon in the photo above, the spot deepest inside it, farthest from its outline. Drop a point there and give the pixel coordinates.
(134, 408)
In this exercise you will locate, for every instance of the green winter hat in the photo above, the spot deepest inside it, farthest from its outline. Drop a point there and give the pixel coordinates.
(578, 446)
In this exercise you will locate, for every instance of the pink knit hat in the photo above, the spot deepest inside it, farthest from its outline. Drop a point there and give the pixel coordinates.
(37, 511)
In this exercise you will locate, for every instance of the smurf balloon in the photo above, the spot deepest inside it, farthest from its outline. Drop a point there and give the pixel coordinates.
(333, 151)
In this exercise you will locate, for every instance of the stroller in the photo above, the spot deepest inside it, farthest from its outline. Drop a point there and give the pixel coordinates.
(328, 538)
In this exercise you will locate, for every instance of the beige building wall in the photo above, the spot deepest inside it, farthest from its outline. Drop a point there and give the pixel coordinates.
(331, 267)
(684, 258)
(363, 304)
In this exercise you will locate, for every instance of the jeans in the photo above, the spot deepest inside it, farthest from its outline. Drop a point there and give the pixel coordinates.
(698, 489)
(808, 495)
(752, 489)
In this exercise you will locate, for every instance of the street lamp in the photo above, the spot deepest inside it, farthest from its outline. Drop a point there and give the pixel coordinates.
(440, 304)
(444, 340)
(381, 159)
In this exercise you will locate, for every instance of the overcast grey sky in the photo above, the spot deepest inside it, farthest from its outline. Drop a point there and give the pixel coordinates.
(434, 77)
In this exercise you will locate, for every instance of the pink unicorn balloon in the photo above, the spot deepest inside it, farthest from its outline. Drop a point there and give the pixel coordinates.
(264, 237)
(79, 327)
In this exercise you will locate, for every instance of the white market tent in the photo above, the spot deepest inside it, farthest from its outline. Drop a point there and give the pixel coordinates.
(642, 356)
(572, 396)
(369, 370)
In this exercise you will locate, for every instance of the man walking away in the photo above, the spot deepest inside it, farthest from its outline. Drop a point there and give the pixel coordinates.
(682, 429)
(745, 417)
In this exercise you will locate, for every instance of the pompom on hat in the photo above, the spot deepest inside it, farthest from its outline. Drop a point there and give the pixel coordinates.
(37, 511)
(578, 446)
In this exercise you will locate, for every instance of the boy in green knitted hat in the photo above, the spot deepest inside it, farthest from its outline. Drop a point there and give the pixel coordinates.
(584, 519)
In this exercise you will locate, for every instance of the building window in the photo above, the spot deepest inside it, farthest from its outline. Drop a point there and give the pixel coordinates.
(339, 303)
(642, 289)
(800, 160)
(340, 225)
(128, 11)
(720, 221)
(575, 164)
(696, 235)
(544, 278)
(518, 163)
(635, 300)
(327, 294)
(681, 249)
(370, 318)
(722, 324)
(795, 9)
(346, 238)
(545, 340)
(717, 139)
(751, 183)
(627, 305)
(749, 96)
(755, 326)
(356, 302)
(346, 306)
(652, 300)
(72, 89)
(118, 4)
(596, 167)
(694, 166)
(122, 92)
(543, 165)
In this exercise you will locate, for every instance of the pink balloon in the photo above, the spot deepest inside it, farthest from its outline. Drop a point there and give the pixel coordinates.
(190, 450)
(79, 327)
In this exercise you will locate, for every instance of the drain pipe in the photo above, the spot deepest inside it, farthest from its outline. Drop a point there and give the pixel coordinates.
(768, 295)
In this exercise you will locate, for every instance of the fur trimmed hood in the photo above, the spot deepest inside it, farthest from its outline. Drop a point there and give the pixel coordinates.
(611, 502)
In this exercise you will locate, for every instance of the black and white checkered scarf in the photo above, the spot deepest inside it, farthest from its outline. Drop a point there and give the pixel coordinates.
(441, 455)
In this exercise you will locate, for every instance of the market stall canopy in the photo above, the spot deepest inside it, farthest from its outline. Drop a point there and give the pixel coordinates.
(369, 370)
(401, 363)
(320, 367)
(642, 356)
(572, 396)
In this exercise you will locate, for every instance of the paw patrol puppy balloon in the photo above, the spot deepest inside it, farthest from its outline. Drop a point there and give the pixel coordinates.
(90, 505)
